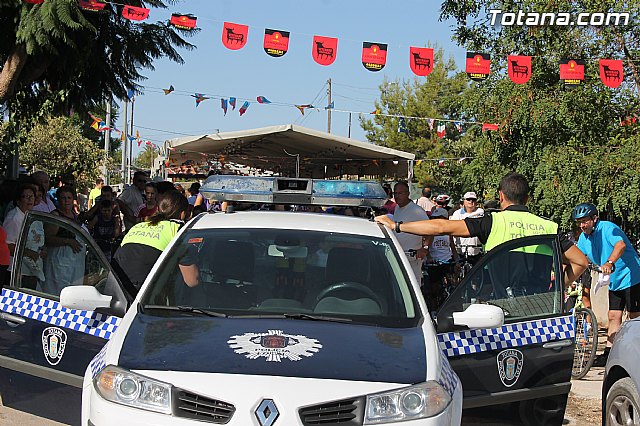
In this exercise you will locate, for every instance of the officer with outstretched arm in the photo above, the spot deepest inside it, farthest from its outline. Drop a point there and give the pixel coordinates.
(514, 221)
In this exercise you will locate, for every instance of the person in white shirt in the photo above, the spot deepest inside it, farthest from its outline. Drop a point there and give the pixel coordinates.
(132, 198)
(471, 247)
(408, 211)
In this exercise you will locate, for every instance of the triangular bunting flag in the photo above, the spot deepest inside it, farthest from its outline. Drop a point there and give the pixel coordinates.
(441, 162)
(303, 107)
(441, 129)
(263, 100)
(458, 126)
(244, 108)
(430, 121)
(169, 90)
(232, 102)
(224, 105)
(199, 98)
(330, 106)
(402, 126)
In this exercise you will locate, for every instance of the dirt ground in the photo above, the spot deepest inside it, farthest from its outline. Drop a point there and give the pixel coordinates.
(583, 411)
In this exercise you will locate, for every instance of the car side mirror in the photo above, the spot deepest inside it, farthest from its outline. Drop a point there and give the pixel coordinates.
(84, 297)
(480, 316)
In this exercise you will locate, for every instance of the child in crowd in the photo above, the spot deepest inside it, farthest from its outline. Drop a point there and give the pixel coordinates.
(105, 227)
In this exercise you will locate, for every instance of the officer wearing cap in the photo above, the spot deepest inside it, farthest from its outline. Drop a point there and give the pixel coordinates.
(514, 221)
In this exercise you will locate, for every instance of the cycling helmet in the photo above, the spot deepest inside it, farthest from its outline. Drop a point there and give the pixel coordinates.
(584, 210)
(443, 199)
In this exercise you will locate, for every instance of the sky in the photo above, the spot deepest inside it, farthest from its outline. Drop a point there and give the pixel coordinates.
(294, 78)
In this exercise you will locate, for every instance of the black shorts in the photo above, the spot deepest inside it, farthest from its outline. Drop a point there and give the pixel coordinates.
(628, 298)
(585, 279)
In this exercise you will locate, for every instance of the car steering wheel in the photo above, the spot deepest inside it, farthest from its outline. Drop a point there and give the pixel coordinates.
(348, 286)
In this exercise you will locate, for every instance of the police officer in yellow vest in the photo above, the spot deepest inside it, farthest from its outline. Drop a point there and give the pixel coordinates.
(145, 241)
(514, 221)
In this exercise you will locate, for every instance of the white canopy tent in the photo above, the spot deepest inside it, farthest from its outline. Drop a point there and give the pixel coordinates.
(292, 150)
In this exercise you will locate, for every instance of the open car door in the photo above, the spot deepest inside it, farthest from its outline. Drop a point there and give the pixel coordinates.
(44, 347)
(528, 359)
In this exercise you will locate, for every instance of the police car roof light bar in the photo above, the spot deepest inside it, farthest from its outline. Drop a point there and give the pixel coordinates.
(283, 190)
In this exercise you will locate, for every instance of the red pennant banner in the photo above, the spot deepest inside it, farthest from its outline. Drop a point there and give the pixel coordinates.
(276, 42)
(183, 22)
(91, 5)
(374, 55)
(489, 126)
(234, 36)
(611, 72)
(478, 66)
(571, 72)
(421, 60)
(134, 13)
(519, 68)
(324, 49)
(34, 1)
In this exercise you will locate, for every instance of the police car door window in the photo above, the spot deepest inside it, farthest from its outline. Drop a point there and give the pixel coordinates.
(55, 255)
(521, 280)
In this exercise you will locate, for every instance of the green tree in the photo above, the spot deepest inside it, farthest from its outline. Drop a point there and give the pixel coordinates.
(57, 147)
(567, 142)
(57, 46)
(144, 160)
(437, 95)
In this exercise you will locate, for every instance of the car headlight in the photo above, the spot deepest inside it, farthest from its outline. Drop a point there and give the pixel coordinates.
(124, 387)
(414, 402)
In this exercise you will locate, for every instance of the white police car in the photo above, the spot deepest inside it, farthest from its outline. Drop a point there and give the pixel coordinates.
(298, 318)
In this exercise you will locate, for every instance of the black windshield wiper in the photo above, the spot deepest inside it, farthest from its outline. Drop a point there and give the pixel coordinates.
(299, 316)
(189, 309)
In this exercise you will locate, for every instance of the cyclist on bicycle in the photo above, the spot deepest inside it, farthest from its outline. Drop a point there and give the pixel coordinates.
(605, 244)
(441, 254)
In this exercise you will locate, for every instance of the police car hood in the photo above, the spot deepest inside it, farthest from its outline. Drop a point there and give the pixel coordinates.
(275, 347)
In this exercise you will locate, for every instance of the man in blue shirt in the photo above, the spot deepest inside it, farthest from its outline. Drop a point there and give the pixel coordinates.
(606, 245)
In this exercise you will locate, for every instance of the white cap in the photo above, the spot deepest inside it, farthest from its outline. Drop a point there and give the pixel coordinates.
(440, 212)
(470, 194)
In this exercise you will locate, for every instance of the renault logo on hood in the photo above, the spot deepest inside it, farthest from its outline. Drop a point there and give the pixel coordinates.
(267, 412)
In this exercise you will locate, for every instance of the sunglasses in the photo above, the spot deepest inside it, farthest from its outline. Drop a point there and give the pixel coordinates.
(471, 199)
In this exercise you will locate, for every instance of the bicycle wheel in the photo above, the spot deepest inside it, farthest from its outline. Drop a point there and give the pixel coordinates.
(586, 342)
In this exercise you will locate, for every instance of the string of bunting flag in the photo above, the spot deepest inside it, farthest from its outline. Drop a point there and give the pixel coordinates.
(324, 50)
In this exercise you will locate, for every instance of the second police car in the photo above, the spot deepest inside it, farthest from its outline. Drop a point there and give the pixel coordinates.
(302, 318)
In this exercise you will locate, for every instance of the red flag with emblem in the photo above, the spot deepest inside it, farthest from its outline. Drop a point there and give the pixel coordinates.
(571, 72)
(234, 36)
(183, 22)
(611, 72)
(134, 13)
(276, 42)
(421, 60)
(374, 55)
(92, 5)
(324, 49)
(478, 66)
(519, 68)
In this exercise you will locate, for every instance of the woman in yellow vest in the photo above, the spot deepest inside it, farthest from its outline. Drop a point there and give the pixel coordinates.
(145, 241)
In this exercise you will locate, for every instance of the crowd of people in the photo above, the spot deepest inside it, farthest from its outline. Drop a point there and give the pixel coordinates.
(111, 219)
(430, 228)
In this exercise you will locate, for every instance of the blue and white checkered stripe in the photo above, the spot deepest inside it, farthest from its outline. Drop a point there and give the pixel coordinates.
(98, 362)
(52, 312)
(448, 378)
(507, 336)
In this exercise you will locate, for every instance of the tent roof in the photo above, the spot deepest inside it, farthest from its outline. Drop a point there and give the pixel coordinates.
(276, 147)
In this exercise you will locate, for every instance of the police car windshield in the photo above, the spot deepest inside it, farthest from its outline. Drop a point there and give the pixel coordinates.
(273, 272)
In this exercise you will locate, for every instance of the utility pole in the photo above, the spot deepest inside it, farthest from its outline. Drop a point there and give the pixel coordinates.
(329, 109)
(349, 135)
(129, 181)
(107, 142)
(125, 141)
